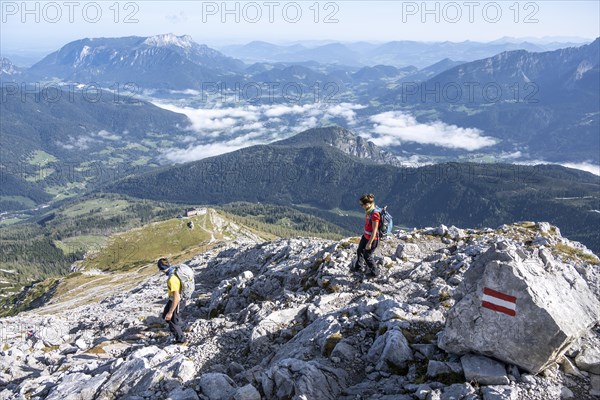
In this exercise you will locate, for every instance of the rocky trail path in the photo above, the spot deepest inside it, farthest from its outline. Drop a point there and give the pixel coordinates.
(510, 313)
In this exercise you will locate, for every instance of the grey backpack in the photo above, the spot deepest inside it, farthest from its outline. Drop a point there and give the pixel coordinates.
(188, 285)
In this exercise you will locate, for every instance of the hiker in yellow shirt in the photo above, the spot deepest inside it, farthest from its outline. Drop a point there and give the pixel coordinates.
(171, 310)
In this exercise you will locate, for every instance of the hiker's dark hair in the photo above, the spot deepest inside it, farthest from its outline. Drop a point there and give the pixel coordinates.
(367, 198)
(163, 263)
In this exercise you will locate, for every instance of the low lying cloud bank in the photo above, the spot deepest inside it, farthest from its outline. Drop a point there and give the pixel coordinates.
(200, 151)
(222, 130)
(217, 131)
(395, 128)
(584, 166)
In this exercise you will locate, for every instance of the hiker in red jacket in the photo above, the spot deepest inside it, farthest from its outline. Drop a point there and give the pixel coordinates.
(370, 238)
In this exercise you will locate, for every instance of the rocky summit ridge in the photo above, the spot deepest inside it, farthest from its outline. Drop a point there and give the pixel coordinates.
(286, 319)
(343, 140)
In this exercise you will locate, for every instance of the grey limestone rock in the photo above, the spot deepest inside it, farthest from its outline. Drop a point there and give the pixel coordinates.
(292, 378)
(390, 352)
(288, 319)
(439, 369)
(500, 393)
(247, 392)
(182, 394)
(589, 360)
(217, 386)
(459, 391)
(483, 370)
(595, 383)
(275, 322)
(512, 304)
(124, 378)
(77, 386)
(177, 366)
(408, 250)
(344, 351)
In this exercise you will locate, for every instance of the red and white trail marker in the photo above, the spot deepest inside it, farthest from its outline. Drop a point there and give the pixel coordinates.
(499, 302)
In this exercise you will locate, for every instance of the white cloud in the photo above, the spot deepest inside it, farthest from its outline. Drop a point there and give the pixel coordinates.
(279, 110)
(511, 156)
(199, 152)
(344, 110)
(315, 112)
(79, 143)
(194, 153)
(177, 19)
(189, 92)
(396, 127)
(231, 128)
(108, 136)
(188, 139)
(306, 124)
(213, 119)
(254, 126)
(247, 139)
(584, 166)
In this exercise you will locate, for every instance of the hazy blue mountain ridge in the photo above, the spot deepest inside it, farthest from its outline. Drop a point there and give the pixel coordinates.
(162, 61)
(395, 53)
(543, 105)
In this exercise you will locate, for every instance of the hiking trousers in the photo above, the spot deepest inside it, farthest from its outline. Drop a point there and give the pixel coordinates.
(365, 256)
(175, 322)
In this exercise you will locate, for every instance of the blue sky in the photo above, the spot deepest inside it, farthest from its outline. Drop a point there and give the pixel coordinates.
(286, 21)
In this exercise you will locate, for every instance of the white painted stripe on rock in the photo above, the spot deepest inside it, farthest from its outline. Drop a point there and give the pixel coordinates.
(499, 302)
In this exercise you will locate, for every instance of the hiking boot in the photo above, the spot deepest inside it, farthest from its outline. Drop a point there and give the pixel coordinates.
(371, 273)
(180, 341)
(355, 268)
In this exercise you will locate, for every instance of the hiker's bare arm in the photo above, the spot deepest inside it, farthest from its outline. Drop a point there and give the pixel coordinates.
(176, 299)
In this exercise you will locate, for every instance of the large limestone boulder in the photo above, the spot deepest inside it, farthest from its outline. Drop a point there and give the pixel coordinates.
(292, 378)
(77, 386)
(390, 352)
(273, 323)
(589, 360)
(217, 386)
(125, 378)
(525, 308)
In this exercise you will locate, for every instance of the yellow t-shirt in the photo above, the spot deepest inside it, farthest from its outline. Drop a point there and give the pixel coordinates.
(173, 285)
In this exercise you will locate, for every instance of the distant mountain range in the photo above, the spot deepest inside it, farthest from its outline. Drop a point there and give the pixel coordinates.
(571, 72)
(396, 53)
(178, 63)
(309, 170)
(8, 69)
(554, 116)
(544, 104)
(162, 61)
